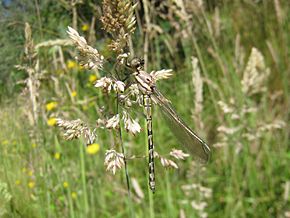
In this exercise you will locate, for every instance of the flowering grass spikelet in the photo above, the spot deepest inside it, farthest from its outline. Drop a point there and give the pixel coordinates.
(119, 86)
(113, 122)
(130, 124)
(74, 129)
(255, 74)
(88, 56)
(118, 19)
(161, 74)
(105, 83)
(113, 161)
(178, 154)
(168, 163)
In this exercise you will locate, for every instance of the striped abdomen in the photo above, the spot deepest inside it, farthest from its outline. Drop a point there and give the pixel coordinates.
(148, 111)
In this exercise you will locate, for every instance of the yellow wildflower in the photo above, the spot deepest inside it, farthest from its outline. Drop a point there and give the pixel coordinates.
(92, 78)
(34, 145)
(24, 169)
(71, 64)
(51, 121)
(31, 184)
(93, 148)
(57, 155)
(65, 184)
(30, 173)
(51, 105)
(85, 27)
(73, 195)
(5, 142)
(73, 93)
(17, 182)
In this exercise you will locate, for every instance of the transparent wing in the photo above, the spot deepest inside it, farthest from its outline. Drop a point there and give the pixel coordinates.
(181, 131)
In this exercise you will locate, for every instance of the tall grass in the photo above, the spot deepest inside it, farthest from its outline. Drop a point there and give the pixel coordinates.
(242, 48)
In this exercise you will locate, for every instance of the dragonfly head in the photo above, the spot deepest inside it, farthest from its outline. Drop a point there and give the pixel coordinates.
(136, 64)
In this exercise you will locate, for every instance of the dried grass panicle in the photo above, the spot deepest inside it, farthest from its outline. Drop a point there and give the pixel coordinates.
(119, 86)
(226, 108)
(216, 23)
(137, 188)
(161, 74)
(275, 124)
(239, 57)
(32, 81)
(118, 16)
(74, 129)
(119, 20)
(200, 207)
(167, 163)
(204, 191)
(29, 48)
(105, 83)
(108, 84)
(119, 44)
(88, 56)
(56, 42)
(113, 122)
(178, 154)
(196, 189)
(130, 124)
(255, 74)
(279, 12)
(198, 88)
(228, 130)
(134, 90)
(114, 160)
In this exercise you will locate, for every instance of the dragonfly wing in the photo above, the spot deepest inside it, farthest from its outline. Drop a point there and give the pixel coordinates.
(181, 131)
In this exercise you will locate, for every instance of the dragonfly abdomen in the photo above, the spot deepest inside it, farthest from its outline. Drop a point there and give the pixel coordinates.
(148, 111)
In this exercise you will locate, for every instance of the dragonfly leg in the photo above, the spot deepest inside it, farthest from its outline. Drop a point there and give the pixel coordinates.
(148, 111)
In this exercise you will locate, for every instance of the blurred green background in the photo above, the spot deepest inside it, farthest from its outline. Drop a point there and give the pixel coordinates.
(242, 48)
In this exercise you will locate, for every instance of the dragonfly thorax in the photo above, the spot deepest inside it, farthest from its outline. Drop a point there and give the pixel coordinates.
(145, 81)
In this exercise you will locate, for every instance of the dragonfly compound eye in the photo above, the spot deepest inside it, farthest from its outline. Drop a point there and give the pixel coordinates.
(137, 63)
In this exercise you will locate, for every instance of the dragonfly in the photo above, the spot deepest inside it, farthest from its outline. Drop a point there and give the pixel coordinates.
(189, 139)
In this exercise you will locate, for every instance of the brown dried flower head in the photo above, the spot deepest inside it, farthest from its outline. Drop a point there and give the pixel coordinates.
(114, 161)
(178, 154)
(74, 129)
(118, 19)
(167, 163)
(88, 56)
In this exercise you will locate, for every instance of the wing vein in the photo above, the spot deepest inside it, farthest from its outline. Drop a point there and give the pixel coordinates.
(182, 132)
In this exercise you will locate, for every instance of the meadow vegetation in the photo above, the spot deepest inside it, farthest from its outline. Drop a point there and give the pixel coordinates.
(63, 138)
